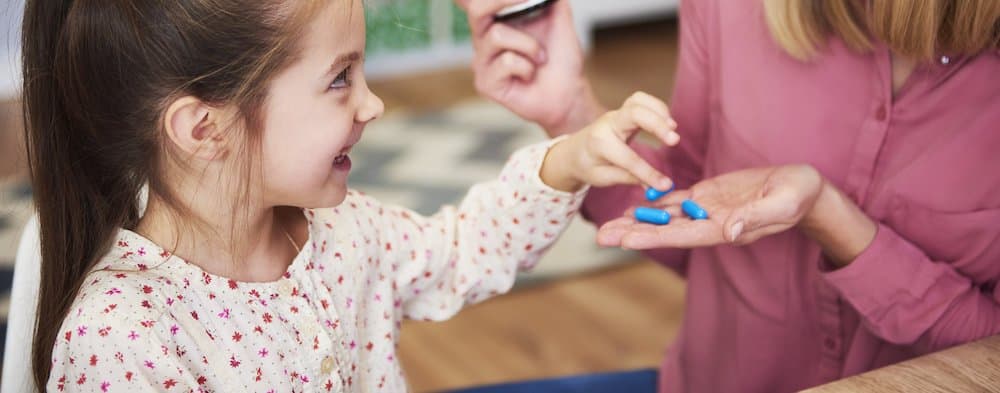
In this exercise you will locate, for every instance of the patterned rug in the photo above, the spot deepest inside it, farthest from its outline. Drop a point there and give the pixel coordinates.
(417, 160)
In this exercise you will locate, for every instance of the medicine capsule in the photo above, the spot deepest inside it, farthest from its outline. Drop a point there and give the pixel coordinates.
(653, 194)
(652, 216)
(693, 210)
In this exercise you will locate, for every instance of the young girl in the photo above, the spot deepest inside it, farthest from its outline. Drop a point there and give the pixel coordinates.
(253, 267)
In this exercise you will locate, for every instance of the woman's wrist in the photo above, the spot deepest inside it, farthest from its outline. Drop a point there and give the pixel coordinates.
(840, 227)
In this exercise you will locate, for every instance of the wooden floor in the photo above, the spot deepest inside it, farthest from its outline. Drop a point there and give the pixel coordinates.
(613, 320)
(619, 319)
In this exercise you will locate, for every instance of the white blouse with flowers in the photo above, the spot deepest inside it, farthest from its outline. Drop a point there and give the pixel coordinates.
(147, 320)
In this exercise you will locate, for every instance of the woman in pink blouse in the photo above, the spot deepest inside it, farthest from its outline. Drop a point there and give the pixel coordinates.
(847, 153)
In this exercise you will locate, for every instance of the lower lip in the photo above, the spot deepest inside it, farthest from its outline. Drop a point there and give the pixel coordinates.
(343, 165)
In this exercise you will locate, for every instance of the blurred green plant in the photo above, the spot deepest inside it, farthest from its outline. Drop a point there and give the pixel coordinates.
(402, 25)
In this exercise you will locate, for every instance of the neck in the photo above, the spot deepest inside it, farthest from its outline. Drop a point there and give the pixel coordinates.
(251, 247)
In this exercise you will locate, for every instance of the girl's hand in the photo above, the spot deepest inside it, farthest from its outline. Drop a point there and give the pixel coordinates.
(600, 155)
(535, 69)
(742, 206)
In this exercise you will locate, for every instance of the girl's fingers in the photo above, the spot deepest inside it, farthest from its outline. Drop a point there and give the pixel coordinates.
(654, 104)
(638, 117)
(622, 156)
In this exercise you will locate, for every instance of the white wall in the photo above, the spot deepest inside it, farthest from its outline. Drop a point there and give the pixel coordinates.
(10, 50)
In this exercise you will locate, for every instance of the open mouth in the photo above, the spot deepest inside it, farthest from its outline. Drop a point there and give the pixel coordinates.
(343, 160)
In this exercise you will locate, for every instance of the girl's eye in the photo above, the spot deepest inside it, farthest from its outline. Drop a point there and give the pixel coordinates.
(342, 81)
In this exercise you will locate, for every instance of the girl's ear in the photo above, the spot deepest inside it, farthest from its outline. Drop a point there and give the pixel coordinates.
(195, 128)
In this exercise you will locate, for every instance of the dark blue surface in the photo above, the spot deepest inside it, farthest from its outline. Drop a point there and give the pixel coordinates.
(642, 381)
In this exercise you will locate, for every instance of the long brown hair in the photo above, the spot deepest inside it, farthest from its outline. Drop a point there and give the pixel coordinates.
(97, 77)
(919, 29)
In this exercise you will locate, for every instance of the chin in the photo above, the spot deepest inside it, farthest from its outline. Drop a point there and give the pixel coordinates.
(331, 198)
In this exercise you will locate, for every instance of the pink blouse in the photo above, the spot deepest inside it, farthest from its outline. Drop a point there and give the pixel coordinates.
(773, 316)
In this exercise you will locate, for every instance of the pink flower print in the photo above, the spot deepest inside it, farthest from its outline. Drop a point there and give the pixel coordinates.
(233, 362)
(142, 266)
(304, 378)
(149, 364)
(119, 357)
(82, 379)
(174, 329)
(113, 291)
(232, 284)
(262, 352)
(133, 335)
(169, 383)
(224, 313)
(147, 324)
(237, 336)
(147, 289)
(142, 251)
(105, 385)
(353, 344)
(103, 332)
(81, 330)
(68, 335)
(128, 376)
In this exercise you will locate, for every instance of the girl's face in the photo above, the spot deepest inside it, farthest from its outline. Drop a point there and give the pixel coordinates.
(317, 110)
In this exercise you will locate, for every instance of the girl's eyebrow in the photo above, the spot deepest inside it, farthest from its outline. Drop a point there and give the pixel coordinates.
(334, 68)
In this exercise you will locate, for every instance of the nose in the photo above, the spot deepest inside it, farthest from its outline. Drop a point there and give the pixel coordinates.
(371, 109)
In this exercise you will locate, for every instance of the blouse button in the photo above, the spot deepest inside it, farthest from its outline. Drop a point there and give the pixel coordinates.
(311, 329)
(327, 365)
(830, 343)
(880, 114)
(285, 287)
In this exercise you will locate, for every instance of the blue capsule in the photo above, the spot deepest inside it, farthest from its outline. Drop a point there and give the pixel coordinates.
(693, 210)
(653, 194)
(652, 216)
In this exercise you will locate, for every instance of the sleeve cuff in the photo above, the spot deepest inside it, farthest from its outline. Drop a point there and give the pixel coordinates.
(533, 157)
(892, 276)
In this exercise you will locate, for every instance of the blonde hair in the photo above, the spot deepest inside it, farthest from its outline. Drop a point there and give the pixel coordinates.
(917, 29)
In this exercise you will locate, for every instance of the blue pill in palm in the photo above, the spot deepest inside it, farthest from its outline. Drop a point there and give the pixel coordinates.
(653, 194)
(693, 210)
(652, 216)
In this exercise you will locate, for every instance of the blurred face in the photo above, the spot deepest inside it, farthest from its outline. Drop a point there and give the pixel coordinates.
(317, 110)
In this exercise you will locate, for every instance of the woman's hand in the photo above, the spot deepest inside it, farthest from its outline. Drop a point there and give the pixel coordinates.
(600, 155)
(747, 205)
(535, 68)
